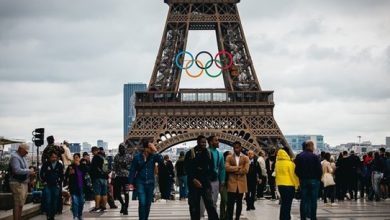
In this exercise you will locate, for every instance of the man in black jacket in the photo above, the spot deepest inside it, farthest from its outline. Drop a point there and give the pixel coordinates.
(52, 176)
(270, 167)
(166, 174)
(199, 167)
(181, 176)
(99, 174)
(354, 170)
(253, 178)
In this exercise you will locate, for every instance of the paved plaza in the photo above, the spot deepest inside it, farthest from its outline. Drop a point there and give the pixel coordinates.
(265, 209)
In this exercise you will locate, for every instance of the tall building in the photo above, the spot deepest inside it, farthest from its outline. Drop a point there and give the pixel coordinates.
(103, 144)
(86, 147)
(129, 91)
(388, 142)
(295, 141)
(75, 148)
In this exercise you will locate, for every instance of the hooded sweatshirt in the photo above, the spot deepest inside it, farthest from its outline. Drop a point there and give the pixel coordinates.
(285, 170)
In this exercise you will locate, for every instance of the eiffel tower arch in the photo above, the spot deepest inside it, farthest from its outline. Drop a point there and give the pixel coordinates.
(241, 111)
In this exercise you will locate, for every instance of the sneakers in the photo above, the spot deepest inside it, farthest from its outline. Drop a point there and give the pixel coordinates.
(95, 210)
(103, 209)
(125, 212)
(334, 204)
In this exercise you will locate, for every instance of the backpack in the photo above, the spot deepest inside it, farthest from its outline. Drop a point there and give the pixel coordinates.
(105, 171)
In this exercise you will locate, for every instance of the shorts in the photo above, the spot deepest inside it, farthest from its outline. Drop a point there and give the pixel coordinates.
(19, 192)
(100, 187)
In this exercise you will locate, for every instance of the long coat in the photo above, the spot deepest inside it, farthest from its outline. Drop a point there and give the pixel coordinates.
(237, 174)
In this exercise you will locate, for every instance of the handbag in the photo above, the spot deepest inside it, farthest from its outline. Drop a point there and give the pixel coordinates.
(328, 180)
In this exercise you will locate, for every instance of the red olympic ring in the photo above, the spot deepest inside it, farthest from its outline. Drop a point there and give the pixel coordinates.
(230, 58)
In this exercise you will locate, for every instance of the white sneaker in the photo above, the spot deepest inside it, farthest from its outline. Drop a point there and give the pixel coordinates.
(334, 204)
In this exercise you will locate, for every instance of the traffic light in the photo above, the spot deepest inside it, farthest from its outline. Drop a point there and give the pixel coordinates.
(38, 136)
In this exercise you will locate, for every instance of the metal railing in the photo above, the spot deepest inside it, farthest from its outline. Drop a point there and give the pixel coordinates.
(199, 96)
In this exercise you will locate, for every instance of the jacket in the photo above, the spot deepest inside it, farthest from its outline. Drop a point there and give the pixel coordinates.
(285, 170)
(19, 171)
(237, 173)
(71, 178)
(141, 171)
(52, 176)
(219, 165)
(59, 150)
(98, 169)
(199, 164)
(261, 161)
(254, 173)
(308, 166)
(179, 167)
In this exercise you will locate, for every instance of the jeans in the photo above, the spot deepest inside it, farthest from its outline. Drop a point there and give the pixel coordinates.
(250, 196)
(145, 198)
(223, 205)
(376, 181)
(52, 195)
(261, 186)
(353, 185)
(183, 189)
(286, 195)
(309, 190)
(365, 186)
(194, 196)
(214, 196)
(77, 205)
(234, 198)
(271, 183)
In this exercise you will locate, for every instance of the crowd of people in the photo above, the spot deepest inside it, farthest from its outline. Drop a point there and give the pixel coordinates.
(203, 175)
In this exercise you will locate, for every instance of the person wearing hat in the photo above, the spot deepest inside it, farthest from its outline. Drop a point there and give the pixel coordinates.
(19, 179)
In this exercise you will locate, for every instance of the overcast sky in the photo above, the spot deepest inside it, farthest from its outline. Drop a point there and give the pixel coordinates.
(63, 64)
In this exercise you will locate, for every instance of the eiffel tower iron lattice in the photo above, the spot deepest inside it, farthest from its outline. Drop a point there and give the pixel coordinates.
(240, 112)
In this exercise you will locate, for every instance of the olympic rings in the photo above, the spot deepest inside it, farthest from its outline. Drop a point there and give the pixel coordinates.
(207, 66)
(177, 59)
(197, 75)
(230, 58)
(213, 76)
(219, 63)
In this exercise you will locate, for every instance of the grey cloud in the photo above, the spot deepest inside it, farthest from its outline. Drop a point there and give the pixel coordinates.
(322, 58)
(317, 52)
(313, 26)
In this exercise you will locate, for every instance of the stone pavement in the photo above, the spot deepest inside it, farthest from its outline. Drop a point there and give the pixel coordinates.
(265, 209)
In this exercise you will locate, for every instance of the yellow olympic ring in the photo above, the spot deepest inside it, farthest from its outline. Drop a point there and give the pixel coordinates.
(197, 75)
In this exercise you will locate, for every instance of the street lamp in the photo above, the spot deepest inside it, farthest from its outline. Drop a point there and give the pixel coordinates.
(360, 137)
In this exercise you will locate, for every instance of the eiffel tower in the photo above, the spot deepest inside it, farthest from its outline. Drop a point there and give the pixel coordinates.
(241, 111)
